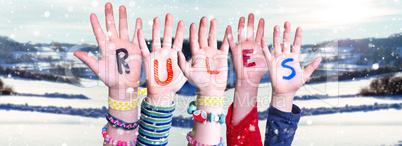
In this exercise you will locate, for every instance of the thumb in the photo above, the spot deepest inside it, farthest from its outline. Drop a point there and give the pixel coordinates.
(90, 61)
(310, 68)
(183, 63)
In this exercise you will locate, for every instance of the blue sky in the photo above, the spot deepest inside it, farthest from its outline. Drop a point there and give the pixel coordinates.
(44, 21)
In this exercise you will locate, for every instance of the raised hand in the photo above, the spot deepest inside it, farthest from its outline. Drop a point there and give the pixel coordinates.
(249, 63)
(163, 75)
(208, 67)
(285, 72)
(120, 65)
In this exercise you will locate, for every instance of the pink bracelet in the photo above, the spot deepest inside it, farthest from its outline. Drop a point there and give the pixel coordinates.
(115, 142)
(196, 143)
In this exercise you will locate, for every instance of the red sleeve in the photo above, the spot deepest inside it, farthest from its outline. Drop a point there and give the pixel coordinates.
(246, 132)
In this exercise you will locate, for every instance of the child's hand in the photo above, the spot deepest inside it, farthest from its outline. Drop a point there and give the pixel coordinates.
(285, 72)
(163, 75)
(120, 65)
(249, 63)
(208, 67)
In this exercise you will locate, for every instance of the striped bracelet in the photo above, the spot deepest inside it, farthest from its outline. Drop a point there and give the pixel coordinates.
(210, 101)
(196, 143)
(117, 123)
(155, 123)
(112, 141)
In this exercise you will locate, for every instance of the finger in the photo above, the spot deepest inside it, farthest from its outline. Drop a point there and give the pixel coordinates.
(142, 43)
(178, 39)
(225, 43)
(286, 38)
(156, 39)
(310, 68)
(230, 39)
(240, 33)
(167, 35)
(212, 34)
(202, 33)
(138, 25)
(123, 32)
(110, 24)
(183, 64)
(90, 61)
(260, 31)
(250, 27)
(194, 39)
(277, 39)
(99, 35)
(297, 41)
(265, 49)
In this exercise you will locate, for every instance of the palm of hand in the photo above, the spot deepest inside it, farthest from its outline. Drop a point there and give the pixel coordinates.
(202, 76)
(162, 73)
(107, 68)
(259, 66)
(285, 72)
(208, 67)
(277, 73)
(162, 56)
(249, 63)
(108, 65)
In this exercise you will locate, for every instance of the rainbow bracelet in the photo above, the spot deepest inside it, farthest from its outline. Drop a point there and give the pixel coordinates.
(196, 143)
(117, 123)
(112, 141)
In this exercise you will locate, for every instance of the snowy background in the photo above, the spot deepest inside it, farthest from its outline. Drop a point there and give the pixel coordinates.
(40, 36)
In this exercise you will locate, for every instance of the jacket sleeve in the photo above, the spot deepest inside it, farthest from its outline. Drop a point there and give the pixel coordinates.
(281, 126)
(246, 132)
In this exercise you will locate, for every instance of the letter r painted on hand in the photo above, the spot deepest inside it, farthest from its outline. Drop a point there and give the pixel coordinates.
(121, 61)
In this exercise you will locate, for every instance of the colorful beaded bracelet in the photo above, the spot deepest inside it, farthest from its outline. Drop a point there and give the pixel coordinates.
(116, 142)
(117, 123)
(196, 143)
(202, 116)
(210, 101)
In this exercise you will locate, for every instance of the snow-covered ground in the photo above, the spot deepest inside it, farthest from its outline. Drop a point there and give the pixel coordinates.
(33, 128)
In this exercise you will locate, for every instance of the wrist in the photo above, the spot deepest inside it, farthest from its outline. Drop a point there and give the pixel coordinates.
(123, 93)
(210, 92)
(164, 100)
(249, 83)
(282, 101)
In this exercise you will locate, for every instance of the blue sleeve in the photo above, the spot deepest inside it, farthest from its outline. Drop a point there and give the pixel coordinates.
(281, 126)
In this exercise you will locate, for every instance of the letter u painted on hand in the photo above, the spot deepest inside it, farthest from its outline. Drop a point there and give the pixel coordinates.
(246, 58)
(121, 61)
(209, 67)
(289, 67)
(169, 71)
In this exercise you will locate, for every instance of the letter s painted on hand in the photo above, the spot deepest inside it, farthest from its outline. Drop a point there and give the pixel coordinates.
(289, 67)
